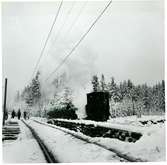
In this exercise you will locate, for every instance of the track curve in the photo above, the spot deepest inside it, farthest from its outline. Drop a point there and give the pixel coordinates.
(50, 158)
(122, 156)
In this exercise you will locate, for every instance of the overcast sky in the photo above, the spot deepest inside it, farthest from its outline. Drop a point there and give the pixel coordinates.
(127, 42)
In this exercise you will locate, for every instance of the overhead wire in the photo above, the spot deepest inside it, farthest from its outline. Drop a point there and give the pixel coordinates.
(62, 26)
(81, 39)
(74, 22)
(46, 41)
(76, 19)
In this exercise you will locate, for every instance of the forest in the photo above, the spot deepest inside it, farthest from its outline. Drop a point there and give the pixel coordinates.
(125, 98)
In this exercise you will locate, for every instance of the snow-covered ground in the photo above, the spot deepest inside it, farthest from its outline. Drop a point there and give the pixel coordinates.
(135, 121)
(23, 150)
(67, 148)
(150, 147)
(130, 123)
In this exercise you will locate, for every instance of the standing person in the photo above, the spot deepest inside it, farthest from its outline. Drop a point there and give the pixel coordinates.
(19, 114)
(6, 115)
(28, 115)
(25, 115)
(13, 114)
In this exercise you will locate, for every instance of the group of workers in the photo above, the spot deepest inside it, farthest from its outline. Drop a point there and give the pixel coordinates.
(13, 114)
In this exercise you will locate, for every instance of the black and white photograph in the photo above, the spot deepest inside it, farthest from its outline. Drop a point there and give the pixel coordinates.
(83, 81)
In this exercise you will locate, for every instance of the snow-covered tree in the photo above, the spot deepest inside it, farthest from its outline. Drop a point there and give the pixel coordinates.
(32, 94)
(102, 83)
(65, 109)
(162, 96)
(123, 89)
(36, 88)
(95, 83)
(67, 98)
(146, 98)
(27, 96)
(113, 90)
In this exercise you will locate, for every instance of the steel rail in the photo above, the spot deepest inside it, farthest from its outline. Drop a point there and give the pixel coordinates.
(50, 158)
(119, 154)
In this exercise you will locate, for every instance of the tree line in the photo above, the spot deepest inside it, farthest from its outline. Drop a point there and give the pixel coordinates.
(126, 98)
(57, 107)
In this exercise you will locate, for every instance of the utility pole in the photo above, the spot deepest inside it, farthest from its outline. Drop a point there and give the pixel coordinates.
(4, 105)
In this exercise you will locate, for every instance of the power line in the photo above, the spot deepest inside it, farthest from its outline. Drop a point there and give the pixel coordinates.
(73, 23)
(81, 39)
(76, 18)
(50, 31)
(62, 26)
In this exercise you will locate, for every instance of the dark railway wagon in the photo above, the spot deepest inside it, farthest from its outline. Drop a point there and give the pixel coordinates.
(97, 107)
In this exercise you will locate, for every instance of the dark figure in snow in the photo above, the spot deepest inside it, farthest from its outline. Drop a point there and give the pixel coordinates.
(25, 115)
(28, 116)
(13, 114)
(6, 115)
(19, 114)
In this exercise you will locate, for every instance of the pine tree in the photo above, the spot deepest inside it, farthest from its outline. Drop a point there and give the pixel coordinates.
(129, 89)
(134, 98)
(67, 96)
(130, 84)
(27, 96)
(155, 98)
(36, 91)
(162, 100)
(113, 90)
(95, 83)
(160, 96)
(146, 100)
(103, 84)
(138, 90)
(32, 94)
(123, 89)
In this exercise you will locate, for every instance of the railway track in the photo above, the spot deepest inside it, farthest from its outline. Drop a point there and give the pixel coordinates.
(119, 155)
(13, 128)
(50, 158)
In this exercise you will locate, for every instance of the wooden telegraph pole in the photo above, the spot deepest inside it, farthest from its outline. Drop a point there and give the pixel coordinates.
(4, 105)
